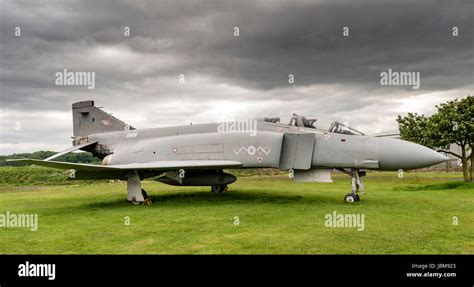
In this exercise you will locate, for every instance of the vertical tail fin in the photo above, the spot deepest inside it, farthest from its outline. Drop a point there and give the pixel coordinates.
(88, 119)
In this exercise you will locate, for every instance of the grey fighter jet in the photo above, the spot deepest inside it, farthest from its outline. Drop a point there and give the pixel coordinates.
(196, 155)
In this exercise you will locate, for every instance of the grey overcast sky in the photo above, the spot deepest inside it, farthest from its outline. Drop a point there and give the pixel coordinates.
(226, 76)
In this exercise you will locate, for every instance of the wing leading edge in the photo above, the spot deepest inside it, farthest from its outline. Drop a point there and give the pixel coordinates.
(156, 165)
(121, 171)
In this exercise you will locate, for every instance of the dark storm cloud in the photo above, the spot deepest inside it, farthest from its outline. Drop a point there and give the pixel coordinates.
(277, 37)
(195, 38)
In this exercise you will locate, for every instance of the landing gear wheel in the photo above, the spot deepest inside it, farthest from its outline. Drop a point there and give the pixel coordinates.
(146, 201)
(356, 183)
(351, 198)
(135, 202)
(219, 188)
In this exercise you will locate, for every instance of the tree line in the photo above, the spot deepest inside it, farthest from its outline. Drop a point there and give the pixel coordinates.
(80, 157)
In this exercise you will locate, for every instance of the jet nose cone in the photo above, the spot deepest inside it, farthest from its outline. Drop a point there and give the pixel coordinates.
(398, 154)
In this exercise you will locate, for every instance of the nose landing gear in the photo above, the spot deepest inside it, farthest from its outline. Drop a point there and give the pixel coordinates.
(357, 184)
(351, 197)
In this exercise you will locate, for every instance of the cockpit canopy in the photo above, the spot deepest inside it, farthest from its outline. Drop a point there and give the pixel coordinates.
(340, 128)
(301, 121)
(296, 120)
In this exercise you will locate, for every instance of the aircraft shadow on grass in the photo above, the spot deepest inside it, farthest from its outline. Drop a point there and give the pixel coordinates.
(204, 198)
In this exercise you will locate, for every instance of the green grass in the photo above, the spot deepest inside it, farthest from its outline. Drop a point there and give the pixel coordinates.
(32, 175)
(409, 215)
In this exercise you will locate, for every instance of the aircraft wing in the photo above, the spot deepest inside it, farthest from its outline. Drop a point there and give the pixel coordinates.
(156, 165)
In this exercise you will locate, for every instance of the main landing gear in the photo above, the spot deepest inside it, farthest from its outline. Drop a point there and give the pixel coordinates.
(219, 188)
(146, 201)
(357, 184)
(136, 194)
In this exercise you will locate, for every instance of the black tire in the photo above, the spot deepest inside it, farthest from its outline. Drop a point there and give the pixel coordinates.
(219, 188)
(136, 202)
(350, 198)
(357, 197)
(216, 188)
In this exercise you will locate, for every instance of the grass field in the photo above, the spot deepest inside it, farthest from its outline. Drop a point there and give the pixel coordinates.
(409, 215)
